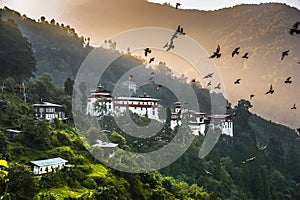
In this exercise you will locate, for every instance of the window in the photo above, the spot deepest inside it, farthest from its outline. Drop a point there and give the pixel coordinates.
(153, 112)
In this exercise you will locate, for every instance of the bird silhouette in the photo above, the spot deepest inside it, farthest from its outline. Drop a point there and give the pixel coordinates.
(171, 46)
(158, 87)
(251, 96)
(166, 45)
(245, 55)
(151, 60)
(218, 86)
(288, 80)
(147, 50)
(271, 90)
(208, 75)
(237, 81)
(284, 54)
(294, 107)
(177, 5)
(295, 29)
(217, 53)
(180, 30)
(208, 84)
(235, 51)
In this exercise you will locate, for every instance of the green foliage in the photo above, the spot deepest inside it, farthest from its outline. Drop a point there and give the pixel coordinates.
(16, 58)
(13, 111)
(57, 49)
(22, 184)
(69, 86)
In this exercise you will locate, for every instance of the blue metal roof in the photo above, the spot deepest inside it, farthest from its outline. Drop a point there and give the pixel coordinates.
(47, 162)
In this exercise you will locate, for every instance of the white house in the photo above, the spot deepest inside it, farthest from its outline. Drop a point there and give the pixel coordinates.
(224, 122)
(40, 167)
(48, 111)
(101, 100)
(198, 121)
(143, 105)
(107, 147)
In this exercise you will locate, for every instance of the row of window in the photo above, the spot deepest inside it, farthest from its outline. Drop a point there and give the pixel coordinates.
(47, 110)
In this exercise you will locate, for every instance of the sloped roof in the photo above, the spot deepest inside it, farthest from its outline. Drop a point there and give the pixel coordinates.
(47, 162)
(46, 104)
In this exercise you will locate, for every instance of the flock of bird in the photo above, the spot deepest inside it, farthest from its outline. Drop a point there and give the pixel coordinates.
(217, 54)
(236, 51)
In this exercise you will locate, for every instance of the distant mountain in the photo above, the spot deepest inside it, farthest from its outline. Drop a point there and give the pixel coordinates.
(262, 30)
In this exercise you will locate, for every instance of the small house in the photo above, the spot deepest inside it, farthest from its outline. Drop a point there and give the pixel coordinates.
(108, 148)
(48, 111)
(40, 167)
(12, 134)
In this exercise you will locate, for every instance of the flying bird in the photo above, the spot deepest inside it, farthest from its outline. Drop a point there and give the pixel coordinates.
(263, 147)
(158, 87)
(248, 160)
(177, 5)
(208, 75)
(288, 80)
(271, 90)
(217, 53)
(180, 30)
(294, 107)
(218, 86)
(235, 51)
(251, 96)
(237, 81)
(208, 84)
(246, 55)
(151, 60)
(209, 173)
(166, 45)
(147, 50)
(171, 46)
(295, 29)
(284, 54)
